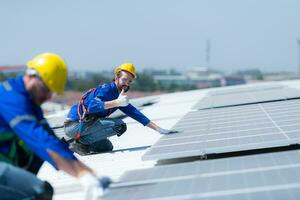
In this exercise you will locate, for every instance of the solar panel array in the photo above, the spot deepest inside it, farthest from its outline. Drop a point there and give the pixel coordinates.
(231, 129)
(237, 120)
(263, 176)
(246, 95)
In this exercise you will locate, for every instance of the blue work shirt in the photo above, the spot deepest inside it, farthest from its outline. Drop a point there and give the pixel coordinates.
(94, 103)
(19, 114)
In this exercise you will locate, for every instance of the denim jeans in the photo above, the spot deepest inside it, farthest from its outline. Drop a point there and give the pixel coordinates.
(17, 183)
(96, 130)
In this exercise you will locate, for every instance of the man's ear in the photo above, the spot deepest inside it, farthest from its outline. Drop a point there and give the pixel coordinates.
(118, 75)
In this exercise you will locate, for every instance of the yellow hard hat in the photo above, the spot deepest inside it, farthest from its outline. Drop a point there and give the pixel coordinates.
(52, 69)
(128, 67)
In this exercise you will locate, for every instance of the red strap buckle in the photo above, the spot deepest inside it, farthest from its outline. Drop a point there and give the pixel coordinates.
(77, 136)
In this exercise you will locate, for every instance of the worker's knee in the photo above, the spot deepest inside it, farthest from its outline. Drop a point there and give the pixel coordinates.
(71, 128)
(25, 186)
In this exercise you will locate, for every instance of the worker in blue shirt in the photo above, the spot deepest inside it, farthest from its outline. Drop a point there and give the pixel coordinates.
(87, 120)
(26, 139)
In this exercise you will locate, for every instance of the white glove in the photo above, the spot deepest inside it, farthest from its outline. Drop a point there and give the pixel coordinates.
(122, 100)
(93, 187)
(165, 131)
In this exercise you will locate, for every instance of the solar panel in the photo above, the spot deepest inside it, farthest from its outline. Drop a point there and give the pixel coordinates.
(245, 88)
(262, 176)
(241, 96)
(231, 129)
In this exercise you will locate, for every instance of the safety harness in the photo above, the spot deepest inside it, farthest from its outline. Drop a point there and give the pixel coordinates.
(84, 117)
(11, 155)
(18, 151)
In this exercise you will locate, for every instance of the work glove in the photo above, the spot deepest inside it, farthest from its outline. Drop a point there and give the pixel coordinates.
(122, 100)
(93, 186)
(105, 181)
(165, 131)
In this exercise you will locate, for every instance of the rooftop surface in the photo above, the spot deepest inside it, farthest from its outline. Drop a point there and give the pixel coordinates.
(166, 111)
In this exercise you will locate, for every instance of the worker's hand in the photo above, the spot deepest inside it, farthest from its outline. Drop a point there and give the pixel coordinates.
(165, 131)
(93, 186)
(122, 100)
(105, 181)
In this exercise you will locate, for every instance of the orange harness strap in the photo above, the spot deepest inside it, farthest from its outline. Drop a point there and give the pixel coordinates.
(81, 108)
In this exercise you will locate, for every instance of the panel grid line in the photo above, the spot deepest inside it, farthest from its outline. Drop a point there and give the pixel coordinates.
(276, 125)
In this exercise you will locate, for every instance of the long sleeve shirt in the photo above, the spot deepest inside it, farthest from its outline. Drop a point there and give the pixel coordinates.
(19, 115)
(94, 102)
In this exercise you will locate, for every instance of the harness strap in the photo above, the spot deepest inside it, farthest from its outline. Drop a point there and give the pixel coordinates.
(85, 116)
(81, 108)
(14, 144)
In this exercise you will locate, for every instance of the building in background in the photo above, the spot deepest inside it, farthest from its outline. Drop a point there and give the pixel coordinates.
(199, 77)
(12, 69)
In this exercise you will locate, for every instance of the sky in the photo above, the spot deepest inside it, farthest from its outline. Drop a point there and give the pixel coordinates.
(101, 34)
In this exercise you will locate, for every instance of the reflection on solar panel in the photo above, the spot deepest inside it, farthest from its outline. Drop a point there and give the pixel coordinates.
(263, 176)
(233, 97)
(231, 129)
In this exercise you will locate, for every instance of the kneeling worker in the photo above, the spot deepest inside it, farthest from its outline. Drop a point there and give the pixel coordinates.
(26, 139)
(87, 123)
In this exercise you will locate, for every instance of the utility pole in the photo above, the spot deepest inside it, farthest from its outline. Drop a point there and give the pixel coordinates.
(207, 59)
(298, 41)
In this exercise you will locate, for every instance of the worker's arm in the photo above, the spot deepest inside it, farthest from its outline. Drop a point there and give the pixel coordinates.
(25, 124)
(93, 185)
(134, 113)
(97, 104)
(159, 129)
(49, 148)
(121, 101)
(73, 167)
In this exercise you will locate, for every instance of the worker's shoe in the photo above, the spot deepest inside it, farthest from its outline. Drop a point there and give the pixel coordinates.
(120, 129)
(101, 146)
(79, 148)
